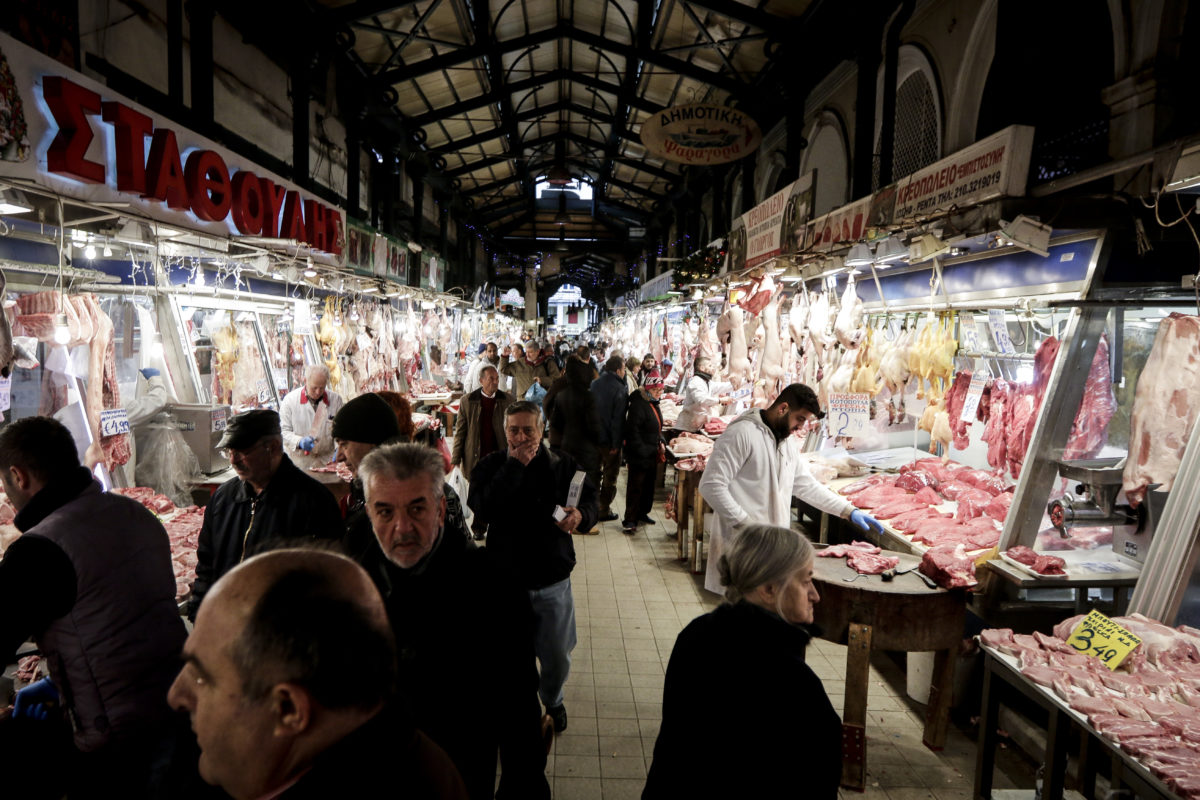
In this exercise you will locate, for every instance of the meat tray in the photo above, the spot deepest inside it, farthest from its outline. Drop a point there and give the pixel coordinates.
(1012, 562)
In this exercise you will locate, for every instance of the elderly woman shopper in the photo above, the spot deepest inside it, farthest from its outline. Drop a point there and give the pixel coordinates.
(740, 671)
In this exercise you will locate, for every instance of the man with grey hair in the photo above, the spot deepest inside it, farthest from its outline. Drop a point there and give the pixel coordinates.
(464, 633)
(264, 683)
(523, 494)
(305, 416)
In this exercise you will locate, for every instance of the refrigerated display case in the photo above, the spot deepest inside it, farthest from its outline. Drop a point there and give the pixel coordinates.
(289, 353)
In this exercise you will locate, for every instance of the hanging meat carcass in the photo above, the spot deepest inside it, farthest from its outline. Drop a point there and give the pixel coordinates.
(1164, 407)
(738, 367)
(1089, 431)
(103, 392)
(849, 324)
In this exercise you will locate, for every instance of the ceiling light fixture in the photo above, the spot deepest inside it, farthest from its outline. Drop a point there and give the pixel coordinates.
(859, 255)
(926, 246)
(62, 333)
(11, 204)
(890, 252)
(1028, 234)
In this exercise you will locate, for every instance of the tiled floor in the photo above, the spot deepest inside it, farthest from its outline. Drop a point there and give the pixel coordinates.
(632, 597)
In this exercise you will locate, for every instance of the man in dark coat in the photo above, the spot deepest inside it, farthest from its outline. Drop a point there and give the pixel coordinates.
(644, 447)
(524, 493)
(464, 632)
(90, 581)
(479, 429)
(266, 687)
(611, 396)
(574, 418)
(271, 500)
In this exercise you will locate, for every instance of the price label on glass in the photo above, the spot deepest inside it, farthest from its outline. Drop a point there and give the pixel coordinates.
(219, 420)
(264, 392)
(114, 421)
(970, 335)
(999, 328)
(849, 414)
(1097, 635)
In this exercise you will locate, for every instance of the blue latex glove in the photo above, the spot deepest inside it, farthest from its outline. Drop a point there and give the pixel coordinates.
(32, 701)
(307, 444)
(150, 372)
(865, 521)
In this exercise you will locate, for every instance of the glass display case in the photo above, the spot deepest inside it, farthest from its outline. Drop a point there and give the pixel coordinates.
(288, 352)
(228, 352)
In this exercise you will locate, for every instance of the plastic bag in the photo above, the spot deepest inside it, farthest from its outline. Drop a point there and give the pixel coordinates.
(458, 483)
(535, 393)
(165, 462)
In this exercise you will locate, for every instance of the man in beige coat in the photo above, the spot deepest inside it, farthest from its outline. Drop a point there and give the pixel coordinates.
(479, 430)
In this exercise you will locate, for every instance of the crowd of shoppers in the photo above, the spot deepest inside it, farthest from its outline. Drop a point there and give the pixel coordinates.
(454, 644)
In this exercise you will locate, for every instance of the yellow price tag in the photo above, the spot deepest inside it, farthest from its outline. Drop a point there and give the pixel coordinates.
(1097, 635)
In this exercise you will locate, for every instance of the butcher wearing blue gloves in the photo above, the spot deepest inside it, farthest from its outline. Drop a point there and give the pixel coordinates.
(757, 467)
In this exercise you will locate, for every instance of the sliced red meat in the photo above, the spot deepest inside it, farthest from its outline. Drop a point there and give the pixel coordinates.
(949, 566)
(994, 637)
(997, 509)
(971, 504)
(916, 480)
(1040, 675)
(843, 550)
(1091, 705)
(907, 523)
(928, 496)
(877, 496)
(867, 483)
(983, 540)
(982, 479)
(952, 490)
(895, 508)
(1053, 643)
(871, 563)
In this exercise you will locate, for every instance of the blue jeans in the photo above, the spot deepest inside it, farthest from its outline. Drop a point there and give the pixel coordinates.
(553, 638)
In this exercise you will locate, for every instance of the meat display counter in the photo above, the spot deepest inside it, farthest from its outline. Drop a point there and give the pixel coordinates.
(289, 353)
(226, 351)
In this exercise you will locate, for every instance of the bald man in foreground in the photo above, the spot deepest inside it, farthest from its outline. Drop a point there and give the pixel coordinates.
(289, 679)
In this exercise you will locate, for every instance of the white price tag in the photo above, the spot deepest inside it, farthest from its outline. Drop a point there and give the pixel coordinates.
(264, 391)
(303, 323)
(5, 393)
(970, 335)
(974, 395)
(1000, 331)
(849, 414)
(219, 420)
(113, 421)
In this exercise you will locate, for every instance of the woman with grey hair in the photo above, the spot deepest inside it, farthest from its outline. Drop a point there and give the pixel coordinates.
(740, 670)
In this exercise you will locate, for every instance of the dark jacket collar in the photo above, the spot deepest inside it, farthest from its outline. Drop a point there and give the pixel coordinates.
(448, 548)
(53, 496)
(706, 376)
(757, 621)
(284, 475)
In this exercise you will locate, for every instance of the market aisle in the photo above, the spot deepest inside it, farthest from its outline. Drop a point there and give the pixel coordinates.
(632, 597)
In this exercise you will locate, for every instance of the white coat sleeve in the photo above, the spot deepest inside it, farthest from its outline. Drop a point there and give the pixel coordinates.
(288, 408)
(471, 382)
(816, 494)
(728, 458)
(148, 399)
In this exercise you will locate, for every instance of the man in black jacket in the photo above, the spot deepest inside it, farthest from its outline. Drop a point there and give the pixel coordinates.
(464, 632)
(523, 494)
(270, 500)
(644, 448)
(611, 395)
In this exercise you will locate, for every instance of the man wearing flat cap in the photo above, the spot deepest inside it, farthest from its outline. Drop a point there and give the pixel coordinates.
(271, 501)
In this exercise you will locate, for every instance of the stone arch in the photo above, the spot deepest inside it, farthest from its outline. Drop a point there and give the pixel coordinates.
(962, 115)
(912, 60)
(828, 153)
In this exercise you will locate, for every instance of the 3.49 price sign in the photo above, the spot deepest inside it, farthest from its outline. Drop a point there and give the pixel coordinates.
(1097, 635)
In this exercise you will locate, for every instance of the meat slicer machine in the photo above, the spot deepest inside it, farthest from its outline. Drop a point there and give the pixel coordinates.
(1094, 503)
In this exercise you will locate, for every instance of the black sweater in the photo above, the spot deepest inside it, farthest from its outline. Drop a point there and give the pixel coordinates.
(740, 671)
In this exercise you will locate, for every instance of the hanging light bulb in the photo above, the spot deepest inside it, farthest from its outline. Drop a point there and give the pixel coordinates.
(199, 279)
(89, 252)
(62, 334)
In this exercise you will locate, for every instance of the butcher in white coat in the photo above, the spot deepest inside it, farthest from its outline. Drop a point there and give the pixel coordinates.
(306, 419)
(489, 356)
(698, 398)
(755, 470)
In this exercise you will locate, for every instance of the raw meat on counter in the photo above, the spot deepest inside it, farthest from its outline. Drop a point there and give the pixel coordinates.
(1164, 407)
(1042, 565)
(156, 502)
(949, 566)
(871, 563)
(715, 426)
(337, 467)
(183, 531)
(843, 550)
(1149, 705)
(691, 443)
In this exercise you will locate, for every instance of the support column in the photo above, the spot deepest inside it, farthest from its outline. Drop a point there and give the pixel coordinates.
(864, 105)
(718, 224)
(353, 180)
(749, 163)
(200, 25)
(300, 74)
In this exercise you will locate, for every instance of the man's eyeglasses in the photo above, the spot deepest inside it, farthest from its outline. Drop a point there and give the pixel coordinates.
(230, 452)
